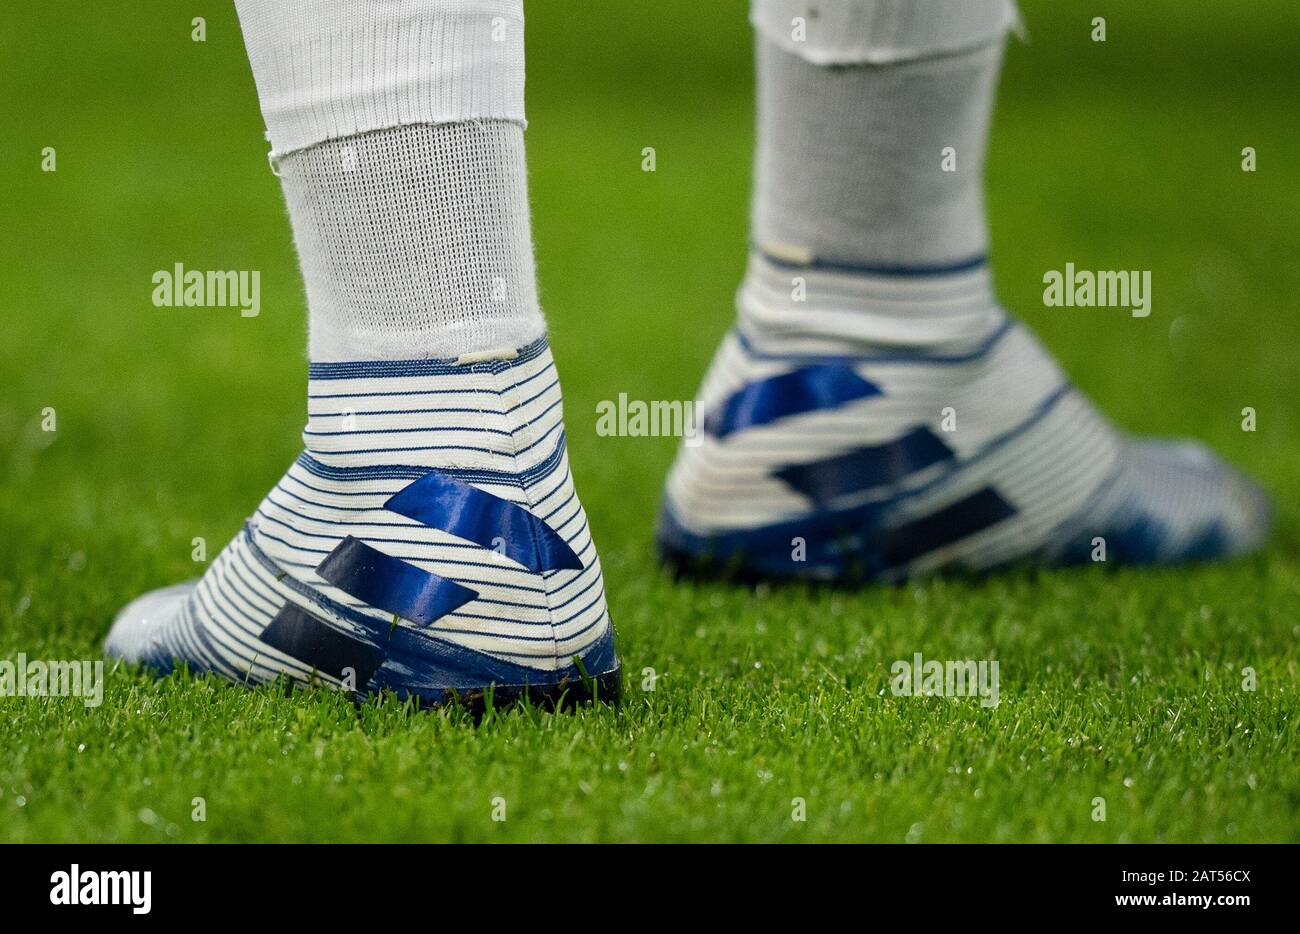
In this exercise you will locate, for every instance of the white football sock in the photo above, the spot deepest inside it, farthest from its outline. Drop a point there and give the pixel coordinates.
(397, 130)
(415, 241)
(875, 165)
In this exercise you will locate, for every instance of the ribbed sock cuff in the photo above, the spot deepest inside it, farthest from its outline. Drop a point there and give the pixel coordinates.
(327, 69)
(877, 32)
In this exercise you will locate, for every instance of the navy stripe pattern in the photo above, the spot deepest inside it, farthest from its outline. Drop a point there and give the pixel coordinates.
(443, 502)
(805, 389)
(390, 583)
(827, 480)
(298, 633)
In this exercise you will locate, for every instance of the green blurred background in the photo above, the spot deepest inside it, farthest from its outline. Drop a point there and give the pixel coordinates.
(173, 423)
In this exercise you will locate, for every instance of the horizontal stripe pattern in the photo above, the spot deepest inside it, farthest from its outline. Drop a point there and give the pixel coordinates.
(971, 410)
(809, 309)
(974, 452)
(373, 431)
(742, 480)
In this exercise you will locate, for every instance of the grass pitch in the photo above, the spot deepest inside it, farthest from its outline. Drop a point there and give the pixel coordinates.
(172, 423)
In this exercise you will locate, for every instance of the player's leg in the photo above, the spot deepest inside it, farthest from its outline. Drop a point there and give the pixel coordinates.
(429, 538)
(875, 412)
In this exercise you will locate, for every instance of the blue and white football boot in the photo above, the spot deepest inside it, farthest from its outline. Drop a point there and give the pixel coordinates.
(428, 542)
(877, 425)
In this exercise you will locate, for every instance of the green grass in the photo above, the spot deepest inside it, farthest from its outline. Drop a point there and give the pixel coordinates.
(172, 424)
